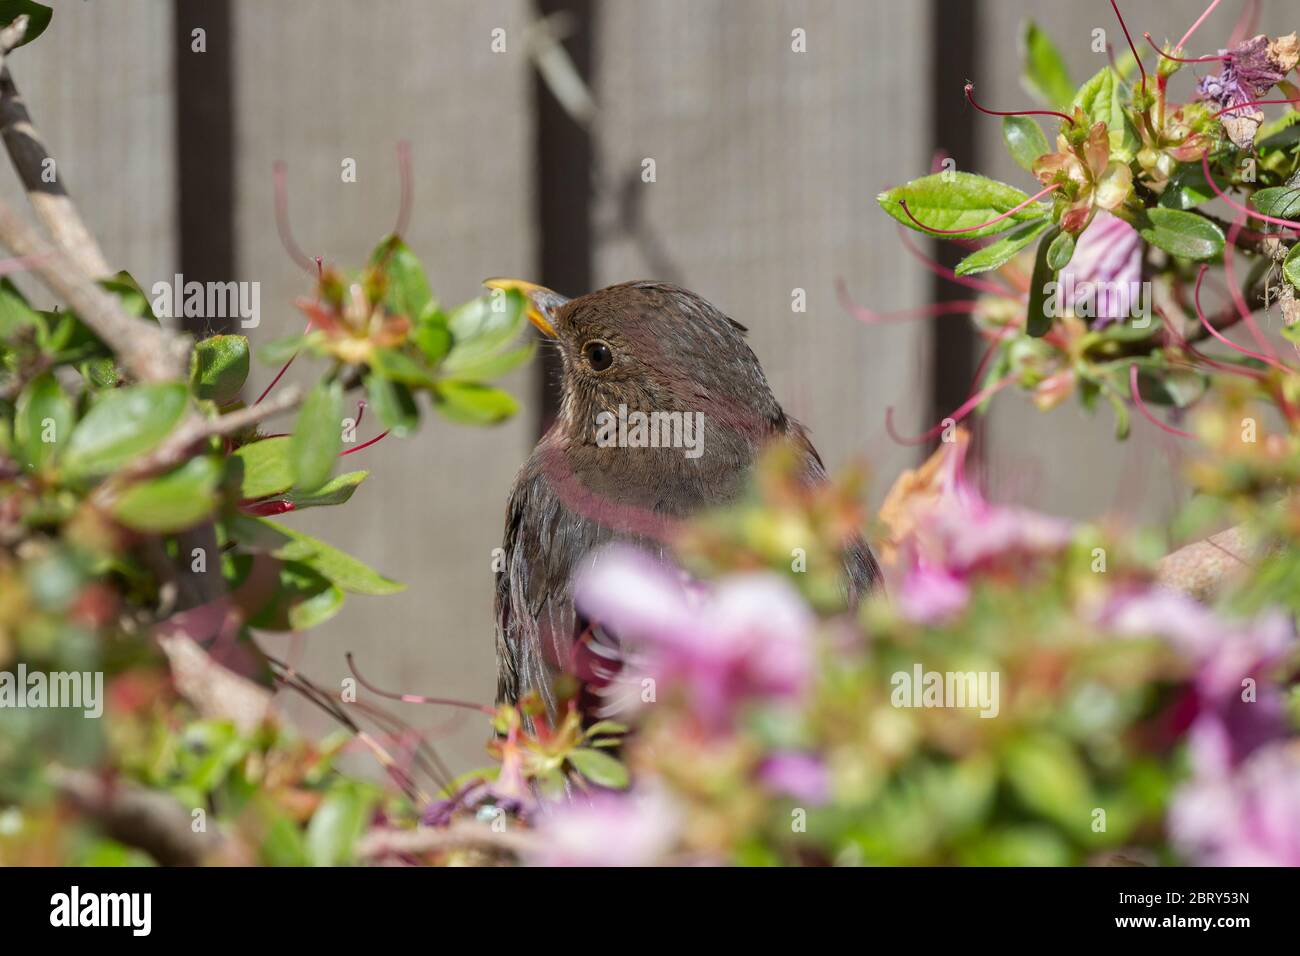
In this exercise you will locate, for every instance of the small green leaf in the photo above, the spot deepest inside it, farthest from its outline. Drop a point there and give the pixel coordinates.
(400, 367)
(38, 17)
(474, 404)
(1183, 234)
(1188, 188)
(218, 368)
(43, 421)
(173, 501)
(281, 350)
(432, 336)
(1048, 777)
(493, 366)
(407, 291)
(1291, 266)
(957, 200)
(304, 599)
(1282, 202)
(394, 405)
(1044, 74)
(1101, 102)
(606, 727)
(600, 768)
(133, 297)
(481, 328)
(1024, 139)
(1039, 317)
(317, 436)
(1060, 252)
(334, 492)
(344, 570)
(16, 315)
(997, 253)
(338, 823)
(122, 424)
(266, 467)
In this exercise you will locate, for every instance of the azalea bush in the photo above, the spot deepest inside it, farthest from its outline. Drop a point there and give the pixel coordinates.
(1026, 691)
(1023, 691)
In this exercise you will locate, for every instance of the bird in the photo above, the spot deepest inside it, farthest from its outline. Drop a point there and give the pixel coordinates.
(626, 352)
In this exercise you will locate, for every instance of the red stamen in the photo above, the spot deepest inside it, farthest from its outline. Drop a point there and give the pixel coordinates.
(1254, 213)
(404, 176)
(871, 317)
(971, 99)
(1242, 106)
(961, 412)
(1200, 356)
(1197, 25)
(363, 445)
(361, 411)
(1124, 27)
(1196, 298)
(413, 698)
(938, 269)
(1146, 412)
(996, 219)
(1179, 59)
(1238, 302)
(278, 175)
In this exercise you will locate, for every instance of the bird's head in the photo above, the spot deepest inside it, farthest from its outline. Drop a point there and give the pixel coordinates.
(651, 347)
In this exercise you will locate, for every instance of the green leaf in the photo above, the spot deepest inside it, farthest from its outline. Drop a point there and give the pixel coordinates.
(173, 501)
(1183, 234)
(1060, 252)
(218, 368)
(1291, 266)
(407, 291)
(1043, 74)
(432, 336)
(493, 366)
(38, 17)
(338, 823)
(122, 424)
(43, 421)
(266, 468)
(1100, 101)
(997, 253)
(344, 570)
(1039, 317)
(334, 492)
(600, 768)
(16, 315)
(132, 296)
(393, 404)
(304, 599)
(1024, 139)
(957, 200)
(399, 367)
(480, 329)
(1282, 202)
(1188, 188)
(1049, 778)
(281, 350)
(606, 727)
(317, 436)
(474, 404)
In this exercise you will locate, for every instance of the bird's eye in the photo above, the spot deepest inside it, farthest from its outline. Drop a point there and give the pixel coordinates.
(598, 355)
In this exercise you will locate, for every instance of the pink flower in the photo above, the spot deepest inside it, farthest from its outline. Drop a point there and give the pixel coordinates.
(1249, 816)
(1105, 270)
(749, 637)
(798, 775)
(624, 829)
(931, 595)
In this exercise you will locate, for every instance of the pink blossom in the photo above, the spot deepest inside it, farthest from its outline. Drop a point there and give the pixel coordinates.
(748, 637)
(1247, 816)
(931, 595)
(799, 775)
(611, 829)
(1105, 268)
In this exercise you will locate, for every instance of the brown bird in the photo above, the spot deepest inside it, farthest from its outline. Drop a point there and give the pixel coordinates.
(609, 469)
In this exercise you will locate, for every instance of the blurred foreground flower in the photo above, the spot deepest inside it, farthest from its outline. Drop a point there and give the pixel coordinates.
(632, 829)
(750, 637)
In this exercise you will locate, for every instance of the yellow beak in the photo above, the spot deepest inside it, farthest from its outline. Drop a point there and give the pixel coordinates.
(539, 301)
